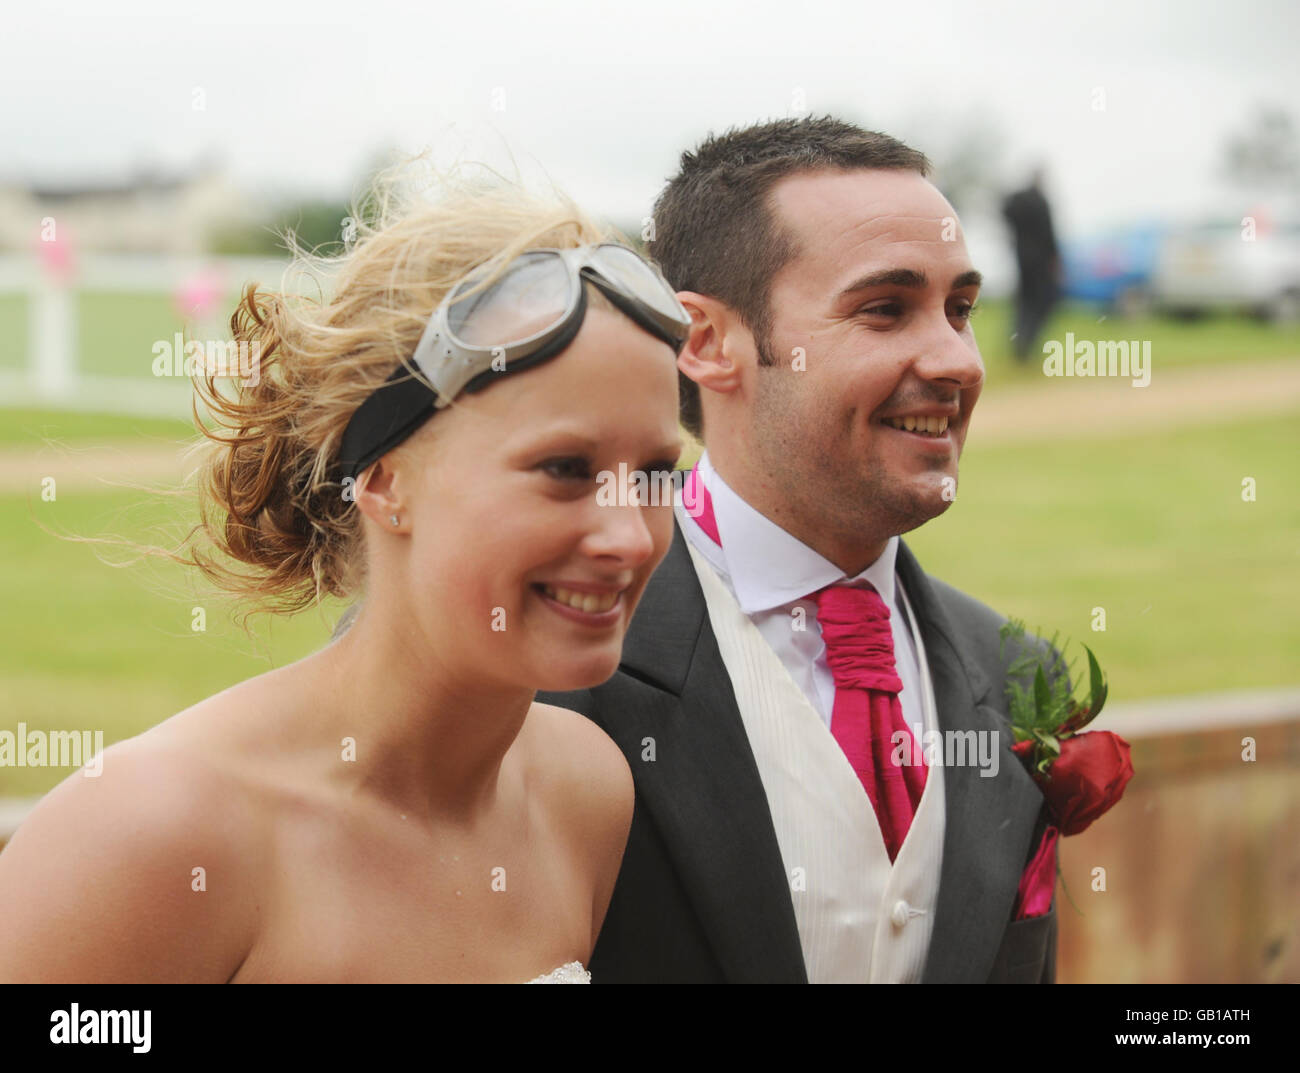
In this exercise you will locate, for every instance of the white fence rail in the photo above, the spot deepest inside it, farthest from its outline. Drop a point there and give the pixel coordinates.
(51, 371)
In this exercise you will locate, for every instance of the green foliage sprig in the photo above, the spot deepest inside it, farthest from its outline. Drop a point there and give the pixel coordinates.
(1046, 711)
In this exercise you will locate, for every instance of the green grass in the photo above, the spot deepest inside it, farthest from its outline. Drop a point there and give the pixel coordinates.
(84, 645)
(1174, 343)
(36, 428)
(116, 332)
(1201, 590)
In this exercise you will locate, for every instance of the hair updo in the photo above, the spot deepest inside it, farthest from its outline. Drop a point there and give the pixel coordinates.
(282, 530)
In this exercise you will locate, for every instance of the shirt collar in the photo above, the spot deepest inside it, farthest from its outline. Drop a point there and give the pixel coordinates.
(768, 567)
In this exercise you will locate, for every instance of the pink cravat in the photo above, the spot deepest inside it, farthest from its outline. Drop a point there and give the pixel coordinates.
(867, 715)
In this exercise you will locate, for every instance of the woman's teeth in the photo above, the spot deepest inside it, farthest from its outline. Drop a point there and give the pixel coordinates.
(928, 426)
(591, 602)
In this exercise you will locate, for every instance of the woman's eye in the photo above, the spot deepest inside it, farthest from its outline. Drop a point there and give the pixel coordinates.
(966, 310)
(661, 470)
(571, 468)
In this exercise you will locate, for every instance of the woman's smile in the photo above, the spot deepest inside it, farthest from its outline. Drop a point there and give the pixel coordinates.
(598, 606)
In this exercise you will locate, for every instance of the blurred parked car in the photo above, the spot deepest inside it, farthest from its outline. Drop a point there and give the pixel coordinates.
(1250, 264)
(1115, 269)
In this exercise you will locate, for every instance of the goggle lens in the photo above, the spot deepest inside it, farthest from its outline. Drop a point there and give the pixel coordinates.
(625, 268)
(531, 298)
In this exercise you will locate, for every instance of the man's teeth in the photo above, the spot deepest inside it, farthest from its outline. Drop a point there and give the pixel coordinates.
(590, 602)
(930, 426)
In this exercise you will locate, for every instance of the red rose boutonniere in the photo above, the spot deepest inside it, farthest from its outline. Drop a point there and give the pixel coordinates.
(1081, 773)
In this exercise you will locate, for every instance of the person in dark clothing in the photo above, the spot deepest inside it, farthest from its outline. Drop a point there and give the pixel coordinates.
(1038, 260)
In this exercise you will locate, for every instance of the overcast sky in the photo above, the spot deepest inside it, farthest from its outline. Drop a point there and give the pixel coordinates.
(604, 96)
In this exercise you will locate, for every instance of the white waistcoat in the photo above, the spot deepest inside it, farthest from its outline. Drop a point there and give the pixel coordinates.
(860, 919)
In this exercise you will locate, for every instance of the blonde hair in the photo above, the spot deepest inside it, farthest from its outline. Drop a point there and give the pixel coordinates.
(270, 504)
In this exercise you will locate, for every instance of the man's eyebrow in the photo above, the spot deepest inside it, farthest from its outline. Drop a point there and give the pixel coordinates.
(889, 277)
(907, 277)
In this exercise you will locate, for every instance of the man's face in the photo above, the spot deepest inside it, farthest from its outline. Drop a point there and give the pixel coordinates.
(875, 307)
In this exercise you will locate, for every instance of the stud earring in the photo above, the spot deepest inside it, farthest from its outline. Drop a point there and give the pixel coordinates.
(393, 518)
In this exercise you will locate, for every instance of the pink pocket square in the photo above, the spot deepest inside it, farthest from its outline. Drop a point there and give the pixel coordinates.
(1034, 896)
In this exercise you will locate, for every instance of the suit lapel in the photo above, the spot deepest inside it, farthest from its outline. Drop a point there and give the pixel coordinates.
(703, 787)
(988, 821)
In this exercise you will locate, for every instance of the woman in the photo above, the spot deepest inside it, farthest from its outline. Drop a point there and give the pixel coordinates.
(394, 807)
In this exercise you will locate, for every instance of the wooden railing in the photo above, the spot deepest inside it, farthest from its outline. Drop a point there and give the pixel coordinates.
(1202, 854)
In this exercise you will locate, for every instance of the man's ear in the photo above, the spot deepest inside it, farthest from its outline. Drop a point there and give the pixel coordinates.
(378, 493)
(716, 336)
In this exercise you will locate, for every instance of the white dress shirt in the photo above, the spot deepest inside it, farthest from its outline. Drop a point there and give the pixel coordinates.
(770, 573)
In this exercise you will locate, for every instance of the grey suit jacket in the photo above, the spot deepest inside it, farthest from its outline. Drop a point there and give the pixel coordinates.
(703, 895)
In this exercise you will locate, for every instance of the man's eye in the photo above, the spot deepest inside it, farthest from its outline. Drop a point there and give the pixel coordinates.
(886, 309)
(571, 468)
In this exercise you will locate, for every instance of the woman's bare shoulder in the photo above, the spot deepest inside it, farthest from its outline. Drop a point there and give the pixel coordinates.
(594, 793)
(587, 772)
(577, 754)
(137, 867)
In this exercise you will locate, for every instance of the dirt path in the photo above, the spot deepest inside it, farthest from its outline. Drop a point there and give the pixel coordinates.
(1111, 406)
(1064, 407)
(86, 467)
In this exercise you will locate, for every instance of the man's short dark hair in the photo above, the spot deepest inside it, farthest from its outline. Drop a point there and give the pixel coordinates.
(715, 232)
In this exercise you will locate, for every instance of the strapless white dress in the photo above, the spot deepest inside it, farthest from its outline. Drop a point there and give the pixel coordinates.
(572, 973)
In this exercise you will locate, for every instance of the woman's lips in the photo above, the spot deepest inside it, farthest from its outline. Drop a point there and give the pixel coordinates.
(590, 608)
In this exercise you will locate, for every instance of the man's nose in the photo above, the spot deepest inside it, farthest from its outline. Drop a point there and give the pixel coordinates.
(951, 357)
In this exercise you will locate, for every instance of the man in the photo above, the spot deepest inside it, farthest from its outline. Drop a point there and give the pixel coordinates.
(789, 637)
(1038, 261)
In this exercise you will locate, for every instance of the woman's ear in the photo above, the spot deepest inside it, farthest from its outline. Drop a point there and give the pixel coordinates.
(378, 495)
(707, 355)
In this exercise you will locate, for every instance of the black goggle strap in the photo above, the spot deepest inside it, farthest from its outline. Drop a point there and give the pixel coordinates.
(390, 415)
